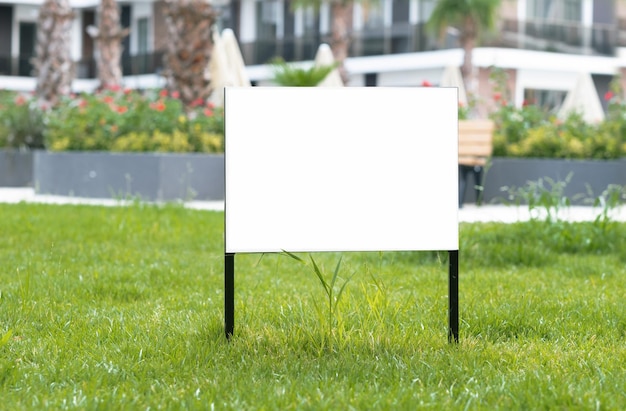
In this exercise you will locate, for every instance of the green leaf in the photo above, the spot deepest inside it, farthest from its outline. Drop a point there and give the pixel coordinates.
(319, 274)
(295, 257)
(5, 338)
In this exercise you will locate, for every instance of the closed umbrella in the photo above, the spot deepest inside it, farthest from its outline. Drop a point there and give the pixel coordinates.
(324, 57)
(219, 71)
(452, 77)
(583, 99)
(235, 59)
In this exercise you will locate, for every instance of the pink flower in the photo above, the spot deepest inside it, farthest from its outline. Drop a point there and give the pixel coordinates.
(20, 100)
(426, 83)
(175, 94)
(208, 112)
(608, 95)
(163, 93)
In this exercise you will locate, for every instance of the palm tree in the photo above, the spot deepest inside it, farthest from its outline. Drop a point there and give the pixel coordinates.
(53, 62)
(341, 37)
(189, 48)
(471, 18)
(108, 36)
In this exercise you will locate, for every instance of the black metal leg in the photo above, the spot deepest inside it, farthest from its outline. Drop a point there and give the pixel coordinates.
(229, 294)
(462, 184)
(453, 296)
(478, 183)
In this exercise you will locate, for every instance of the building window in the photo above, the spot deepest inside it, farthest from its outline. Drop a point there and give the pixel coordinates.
(400, 11)
(557, 10)
(374, 15)
(309, 20)
(268, 17)
(548, 100)
(142, 35)
(426, 8)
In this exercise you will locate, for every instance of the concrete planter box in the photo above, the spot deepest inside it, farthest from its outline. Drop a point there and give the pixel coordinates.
(597, 174)
(16, 168)
(147, 176)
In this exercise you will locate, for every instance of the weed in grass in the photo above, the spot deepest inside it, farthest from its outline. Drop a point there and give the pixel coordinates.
(333, 320)
(611, 198)
(544, 197)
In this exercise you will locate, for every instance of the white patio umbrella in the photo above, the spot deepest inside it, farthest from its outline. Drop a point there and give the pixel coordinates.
(235, 59)
(324, 57)
(451, 77)
(219, 71)
(583, 98)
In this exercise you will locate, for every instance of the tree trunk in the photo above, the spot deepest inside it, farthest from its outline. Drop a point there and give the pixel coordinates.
(468, 42)
(53, 64)
(340, 34)
(190, 45)
(108, 37)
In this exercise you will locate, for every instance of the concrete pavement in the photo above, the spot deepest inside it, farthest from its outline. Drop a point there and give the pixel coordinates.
(469, 213)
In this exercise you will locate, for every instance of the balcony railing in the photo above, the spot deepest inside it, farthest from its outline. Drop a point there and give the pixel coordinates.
(401, 38)
(86, 68)
(600, 39)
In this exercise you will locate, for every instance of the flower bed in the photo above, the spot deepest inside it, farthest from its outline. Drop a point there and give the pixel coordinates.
(112, 120)
(531, 131)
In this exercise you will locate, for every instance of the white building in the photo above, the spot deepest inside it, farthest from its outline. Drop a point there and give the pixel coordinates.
(542, 44)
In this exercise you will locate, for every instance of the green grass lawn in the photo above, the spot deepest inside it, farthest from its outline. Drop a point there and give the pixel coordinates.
(122, 308)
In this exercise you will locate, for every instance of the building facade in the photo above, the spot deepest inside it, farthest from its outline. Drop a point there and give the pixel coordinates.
(542, 44)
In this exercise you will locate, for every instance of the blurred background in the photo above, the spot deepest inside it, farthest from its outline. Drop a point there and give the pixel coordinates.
(543, 46)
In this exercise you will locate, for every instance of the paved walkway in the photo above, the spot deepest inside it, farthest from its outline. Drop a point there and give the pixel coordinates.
(469, 213)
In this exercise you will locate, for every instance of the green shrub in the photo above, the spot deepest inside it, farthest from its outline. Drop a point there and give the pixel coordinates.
(21, 121)
(291, 75)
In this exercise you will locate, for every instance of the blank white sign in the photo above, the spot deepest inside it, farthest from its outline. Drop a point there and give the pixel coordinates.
(341, 169)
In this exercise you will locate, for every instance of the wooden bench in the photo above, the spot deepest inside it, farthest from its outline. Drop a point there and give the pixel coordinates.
(475, 148)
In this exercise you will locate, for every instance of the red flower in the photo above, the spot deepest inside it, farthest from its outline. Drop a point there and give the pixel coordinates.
(208, 112)
(122, 109)
(426, 83)
(114, 87)
(158, 106)
(210, 105)
(108, 99)
(608, 95)
(197, 102)
(497, 96)
(175, 94)
(127, 91)
(163, 93)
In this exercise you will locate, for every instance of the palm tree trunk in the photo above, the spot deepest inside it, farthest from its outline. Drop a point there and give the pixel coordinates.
(340, 34)
(190, 45)
(53, 62)
(468, 42)
(108, 37)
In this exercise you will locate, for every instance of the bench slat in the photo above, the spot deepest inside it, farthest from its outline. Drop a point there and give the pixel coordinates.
(475, 142)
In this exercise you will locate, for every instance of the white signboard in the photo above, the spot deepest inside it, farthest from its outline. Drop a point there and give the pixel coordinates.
(341, 169)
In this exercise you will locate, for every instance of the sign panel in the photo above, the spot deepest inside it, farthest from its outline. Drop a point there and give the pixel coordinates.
(341, 169)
